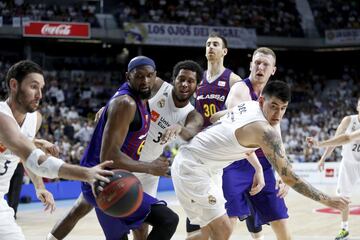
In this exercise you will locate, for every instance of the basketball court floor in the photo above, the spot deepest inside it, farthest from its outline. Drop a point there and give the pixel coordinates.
(305, 222)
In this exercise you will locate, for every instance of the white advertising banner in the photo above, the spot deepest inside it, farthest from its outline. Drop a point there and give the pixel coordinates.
(186, 35)
(342, 36)
(310, 172)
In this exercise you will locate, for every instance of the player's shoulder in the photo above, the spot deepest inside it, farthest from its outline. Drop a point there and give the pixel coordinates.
(234, 78)
(122, 103)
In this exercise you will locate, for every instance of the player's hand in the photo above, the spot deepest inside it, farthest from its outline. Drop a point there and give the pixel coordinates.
(283, 188)
(98, 114)
(170, 133)
(321, 164)
(98, 173)
(159, 167)
(312, 142)
(258, 182)
(340, 203)
(50, 148)
(46, 198)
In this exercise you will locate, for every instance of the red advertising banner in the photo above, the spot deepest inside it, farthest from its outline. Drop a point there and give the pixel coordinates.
(56, 29)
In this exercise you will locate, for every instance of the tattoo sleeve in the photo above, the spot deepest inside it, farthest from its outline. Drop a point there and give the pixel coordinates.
(275, 154)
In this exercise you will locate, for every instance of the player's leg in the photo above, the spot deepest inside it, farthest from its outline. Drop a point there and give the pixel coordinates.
(237, 181)
(164, 222)
(142, 232)
(13, 196)
(220, 228)
(191, 229)
(281, 229)
(9, 230)
(150, 184)
(348, 176)
(64, 226)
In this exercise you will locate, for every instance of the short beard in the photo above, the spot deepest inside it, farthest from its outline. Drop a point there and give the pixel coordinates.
(144, 95)
(25, 108)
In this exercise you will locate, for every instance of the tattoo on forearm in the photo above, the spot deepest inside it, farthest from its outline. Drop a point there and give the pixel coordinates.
(274, 142)
(307, 190)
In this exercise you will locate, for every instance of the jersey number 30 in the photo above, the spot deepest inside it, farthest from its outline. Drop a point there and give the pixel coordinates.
(209, 109)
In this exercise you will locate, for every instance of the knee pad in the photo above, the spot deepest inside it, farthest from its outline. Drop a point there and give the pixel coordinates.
(190, 227)
(250, 224)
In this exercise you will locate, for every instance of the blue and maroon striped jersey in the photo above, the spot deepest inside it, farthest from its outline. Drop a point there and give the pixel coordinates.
(134, 140)
(211, 97)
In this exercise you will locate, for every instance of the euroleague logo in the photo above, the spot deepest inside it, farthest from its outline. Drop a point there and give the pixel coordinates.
(353, 210)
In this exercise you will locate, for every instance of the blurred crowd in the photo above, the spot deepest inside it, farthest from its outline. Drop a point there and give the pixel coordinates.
(336, 14)
(269, 18)
(77, 12)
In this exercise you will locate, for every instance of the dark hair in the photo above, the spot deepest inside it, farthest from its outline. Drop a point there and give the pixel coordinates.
(20, 69)
(278, 89)
(217, 35)
(266, 51)
(188, 65)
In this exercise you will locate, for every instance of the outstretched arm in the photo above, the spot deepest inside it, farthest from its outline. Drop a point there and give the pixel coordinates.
(335, 141)
(40, 163)
(270, 142)
(193, 123)
(340, 130)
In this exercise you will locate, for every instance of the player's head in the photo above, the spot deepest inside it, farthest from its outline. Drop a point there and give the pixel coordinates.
(216, 47)
(274, 100)
(25, 81)
(141, 75)
(262, 65)
(186, 75)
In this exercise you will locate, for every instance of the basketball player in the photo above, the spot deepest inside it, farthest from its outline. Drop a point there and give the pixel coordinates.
(250, 125)
(171, 114)
(219, 80)
(237, 177)
(120, 134)
(348, 135)
(19, 122)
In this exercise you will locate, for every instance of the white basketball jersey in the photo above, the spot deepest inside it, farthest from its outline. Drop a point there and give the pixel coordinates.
(217, 146)
(9, 161)
(164, 113)
(351, 151)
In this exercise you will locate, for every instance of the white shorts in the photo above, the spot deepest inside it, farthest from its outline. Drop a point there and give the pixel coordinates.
(9, 229)
(198, 190)
(149, 183)
(349, 174)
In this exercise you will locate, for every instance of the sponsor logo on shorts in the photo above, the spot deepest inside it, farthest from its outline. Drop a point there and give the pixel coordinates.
(212, 200)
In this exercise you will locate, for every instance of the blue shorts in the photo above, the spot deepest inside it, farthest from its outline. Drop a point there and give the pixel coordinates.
(115, 228)
(264, 206)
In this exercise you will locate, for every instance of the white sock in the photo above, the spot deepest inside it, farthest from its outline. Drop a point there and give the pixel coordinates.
(345, 225)
(260, 238)
(51, 237)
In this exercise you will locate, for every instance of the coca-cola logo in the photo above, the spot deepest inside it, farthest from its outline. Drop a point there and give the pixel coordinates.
(61, 29)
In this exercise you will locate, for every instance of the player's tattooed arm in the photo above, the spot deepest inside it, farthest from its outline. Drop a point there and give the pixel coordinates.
(275, 152)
